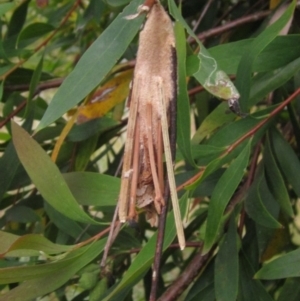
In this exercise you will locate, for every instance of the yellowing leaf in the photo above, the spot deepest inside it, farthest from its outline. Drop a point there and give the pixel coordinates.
(106, 97)
(274, 3)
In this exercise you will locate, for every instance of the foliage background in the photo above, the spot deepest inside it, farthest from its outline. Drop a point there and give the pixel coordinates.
(238, 178)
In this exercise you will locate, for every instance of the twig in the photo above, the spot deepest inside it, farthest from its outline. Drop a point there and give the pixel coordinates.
(13, 113)
(207, 5)
(230, 25)
(192, 244)
(243, 138)
(186, 277)
(41, 87)
(65, 19)
(94, 238)
(114, 230)
(263, 122)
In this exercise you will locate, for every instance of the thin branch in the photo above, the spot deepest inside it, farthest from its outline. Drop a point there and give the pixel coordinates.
(206, 7)
(54, 83)
(231, 25)
(114, 230)
(92, 239)
(263, 122)
(244, 137)
(65, 19)
(19, 108)
(186, 277)
(192, 244)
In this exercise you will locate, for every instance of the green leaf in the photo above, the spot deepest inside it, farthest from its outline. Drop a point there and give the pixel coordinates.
(46, 278)
(144, 259)
(1, 90)
(251, 289)
(203, 288)
(255, 204)
(222, 194)
(183, 102)
(46, 176)
(91, 188)
(290, 290)
(243, 79)
(5, 7)
(275, 180)
(263, 84)
(34, 242)
(7, 239)
(94, 65)
(18, 19)
(287, 160)
(22, 214)
(88, 129)
(279, 53)
(66, 225)
(84, 153)
(9, 164)
(227, 267)
(34, 31)
(214, 120)
(285, 266)
(117, 3)
(36, 76)
(99, 290)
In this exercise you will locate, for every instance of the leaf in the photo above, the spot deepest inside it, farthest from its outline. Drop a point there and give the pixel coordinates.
(106, 97)
(66, 225)
(9, 164)
(22, 214)
(290, 290)
(94, 65)
(144, 259)
(33, 32)
(214, 120)
(34, 242)
(243, 79)
(279, 53)
(183, 102)
(46, 278)
(46, 176)
(5, 7)
(227, 267)
(7, 239)
(251, 289)
(84, 152)
(88, 129)
(117, 3)
(203, 288)
(33, 84)
(258, 196)
(287, 160)
(91, 188)
(264, 84)
(222, 194)
(275, 180)
(18, 19)
(281, 267)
